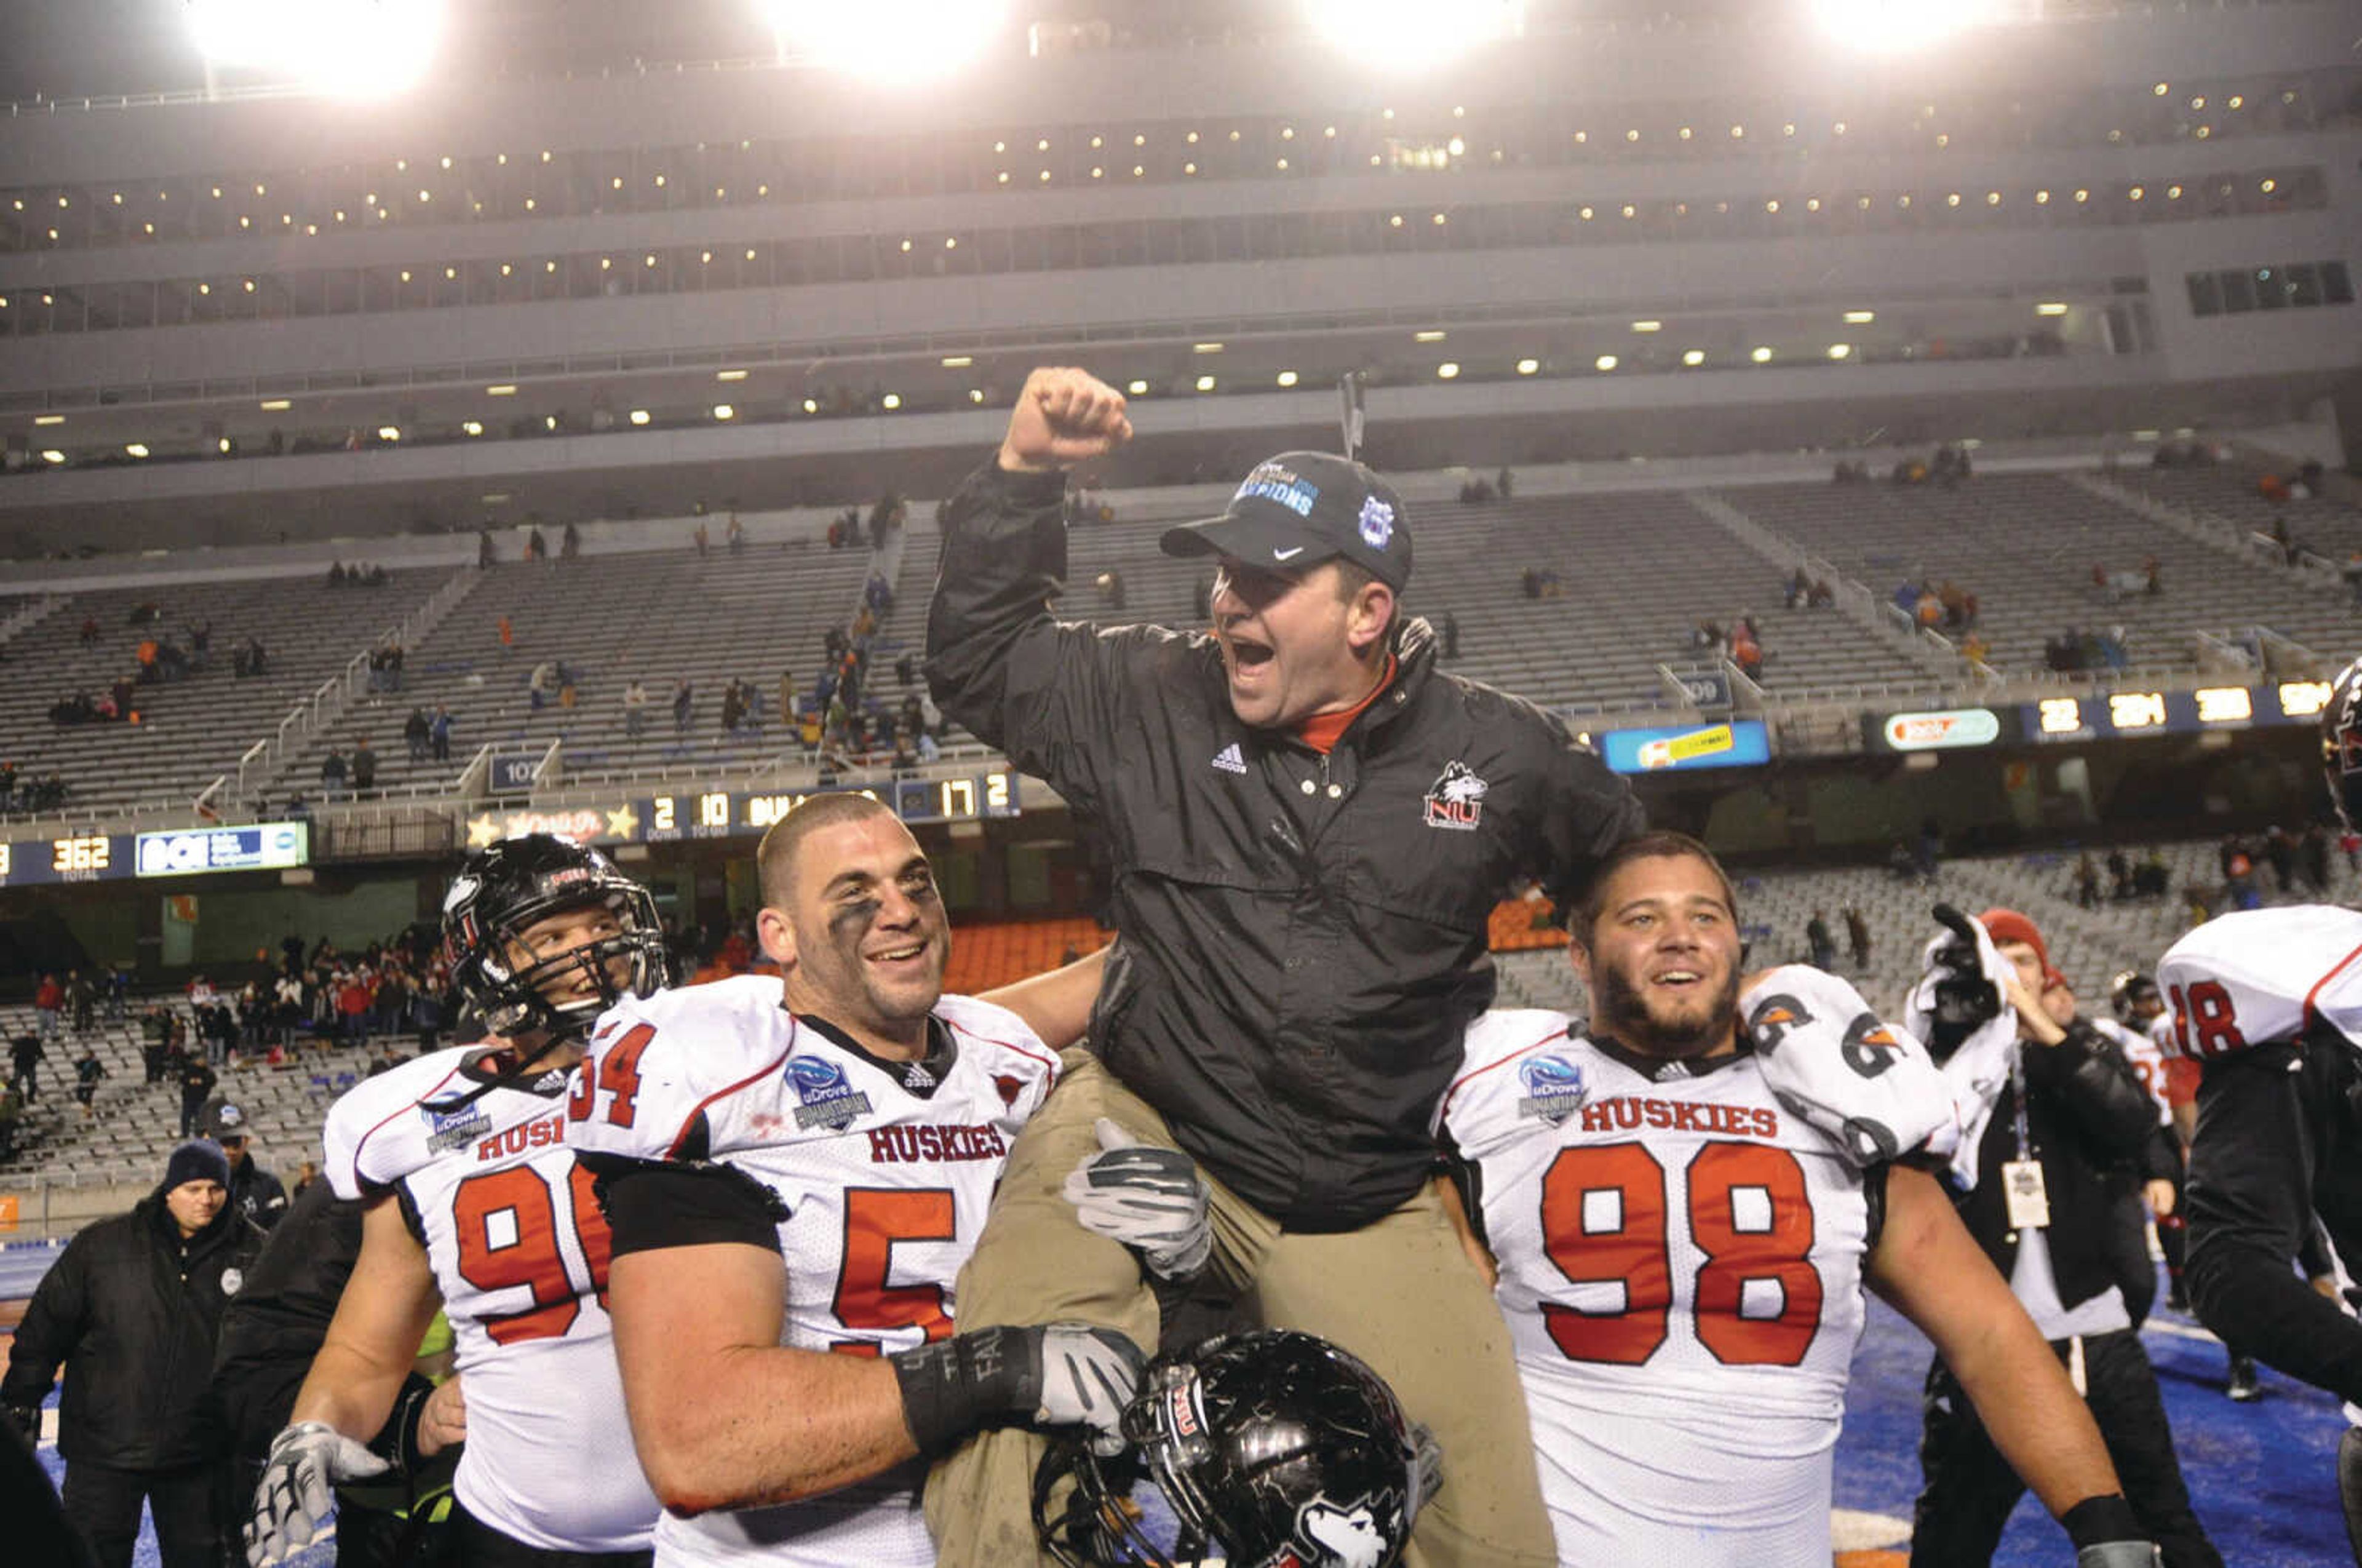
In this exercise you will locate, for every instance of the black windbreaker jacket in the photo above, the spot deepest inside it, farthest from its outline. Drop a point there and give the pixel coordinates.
(132, 1312)
(1304, 937)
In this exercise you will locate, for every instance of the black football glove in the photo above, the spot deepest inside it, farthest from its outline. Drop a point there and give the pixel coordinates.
(1964, 999)
(27, 1418)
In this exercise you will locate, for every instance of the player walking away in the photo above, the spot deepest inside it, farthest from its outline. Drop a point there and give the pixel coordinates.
(1309, 825)
(476, 1205)
(1684, 1212)
(843, 1123)
(2270, 1003)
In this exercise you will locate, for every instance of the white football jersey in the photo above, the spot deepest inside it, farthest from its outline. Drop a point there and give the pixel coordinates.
(1681, 1270)
(519, 1251)
(2148, 1057)
(2264, 975)
(885, 1174)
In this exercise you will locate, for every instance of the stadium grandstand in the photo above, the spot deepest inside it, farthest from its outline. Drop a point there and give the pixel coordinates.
(1917, 444)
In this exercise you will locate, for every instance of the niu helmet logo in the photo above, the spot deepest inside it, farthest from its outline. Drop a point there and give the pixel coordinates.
(1456, 799)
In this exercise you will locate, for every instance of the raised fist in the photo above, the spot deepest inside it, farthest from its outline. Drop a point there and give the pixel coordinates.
(1062, 417)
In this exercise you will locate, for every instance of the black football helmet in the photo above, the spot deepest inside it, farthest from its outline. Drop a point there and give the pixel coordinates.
(1276, 1447)
(2341, 744)
(503, 890)
(2129, 991)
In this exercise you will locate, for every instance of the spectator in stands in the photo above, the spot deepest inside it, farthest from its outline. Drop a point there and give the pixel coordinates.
(2279, 853)
(536, 549)
(2087, 880)
(569, 543)
(257, 1195)
(542, 684)
(364, 765)
(12, 1110)
(439, 733)
(82, 997)
(507, 636)
(1858, 937)
(733, 537)
(88, 1070)
(353, 1001)
(414, 734)
(335, 574)
(196, 1079)
(1823, 597)
(733, 707)
(704, 541)
(333, 772)
(487, 553)
(26, 1055)
(1823, 946)
(684, 700)
(1975, 650)
(49, 1002)
(309, 1171)
(247, 660)
(635, 707)
(1798, 585)
(2315, 850)
(131, 1309)
(89, 632)
(1451, 629)
(1747, 654)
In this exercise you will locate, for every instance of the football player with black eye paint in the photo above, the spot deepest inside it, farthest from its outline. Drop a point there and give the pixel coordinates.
(476, 1206)
(795, 1168)
(2269, 1002)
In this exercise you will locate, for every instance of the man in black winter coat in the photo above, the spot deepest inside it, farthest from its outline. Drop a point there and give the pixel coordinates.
(196, 1079)
(131, 1309)
(254, 1192)
(2068, 1126)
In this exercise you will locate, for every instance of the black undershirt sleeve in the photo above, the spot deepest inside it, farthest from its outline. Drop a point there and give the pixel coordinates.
(651, 1205)
(2250, 1200)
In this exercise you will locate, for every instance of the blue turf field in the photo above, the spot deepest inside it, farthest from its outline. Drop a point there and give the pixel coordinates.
(2262, 1475)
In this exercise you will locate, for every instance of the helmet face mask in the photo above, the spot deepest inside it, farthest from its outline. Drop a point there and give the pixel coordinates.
(2135, 997)
(1276, 1447)
(506, 890)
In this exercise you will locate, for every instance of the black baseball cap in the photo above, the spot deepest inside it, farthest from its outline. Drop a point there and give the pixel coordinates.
(1298, 509)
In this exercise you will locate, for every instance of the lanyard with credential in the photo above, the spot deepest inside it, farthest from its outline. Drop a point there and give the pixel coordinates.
(2022, 1185)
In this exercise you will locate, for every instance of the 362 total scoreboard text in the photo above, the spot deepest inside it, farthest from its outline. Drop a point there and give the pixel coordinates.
(184, 852)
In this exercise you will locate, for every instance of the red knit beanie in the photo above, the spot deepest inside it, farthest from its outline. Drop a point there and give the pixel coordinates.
(2008, 925)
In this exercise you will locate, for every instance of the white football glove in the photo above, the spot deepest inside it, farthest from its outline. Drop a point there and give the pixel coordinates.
(297, 1490)
(1087, 1375)
(1148, 1197)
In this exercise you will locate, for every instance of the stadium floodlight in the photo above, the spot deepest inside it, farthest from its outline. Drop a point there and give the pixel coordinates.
(1896, 25)
(886, 40)
(1403, 35)
(354, 48)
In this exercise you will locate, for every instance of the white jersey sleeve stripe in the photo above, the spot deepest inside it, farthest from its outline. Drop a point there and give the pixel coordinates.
(672, 1149)
(1047, 1059)
(2312, 1013)
(1443, 1106)
(360, 1145)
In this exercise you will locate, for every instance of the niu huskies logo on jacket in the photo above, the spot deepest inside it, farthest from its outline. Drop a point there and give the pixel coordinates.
(1456, 799)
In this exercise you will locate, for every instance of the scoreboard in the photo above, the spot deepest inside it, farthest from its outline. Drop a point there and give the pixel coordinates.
(118, 856)
(78, 857)
(722, 813)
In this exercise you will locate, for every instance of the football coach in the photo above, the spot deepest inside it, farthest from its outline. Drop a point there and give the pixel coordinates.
(1309, 825)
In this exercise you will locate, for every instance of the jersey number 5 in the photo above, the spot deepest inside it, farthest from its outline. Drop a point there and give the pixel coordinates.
(1604, 1223)
(876, 1219)
(507, 1223)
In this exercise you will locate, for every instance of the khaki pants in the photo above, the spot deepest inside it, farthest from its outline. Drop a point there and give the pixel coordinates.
(1400, 1294)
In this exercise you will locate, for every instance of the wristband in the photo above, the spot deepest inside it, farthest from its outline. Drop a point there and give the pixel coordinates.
(2106, 1517)
(955, 1386)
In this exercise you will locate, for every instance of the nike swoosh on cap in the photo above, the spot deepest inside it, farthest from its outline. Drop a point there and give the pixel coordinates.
(1288, 554)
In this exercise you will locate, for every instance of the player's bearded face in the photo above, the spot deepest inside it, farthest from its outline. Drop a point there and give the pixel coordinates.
(871, 940)
(1664, 959)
